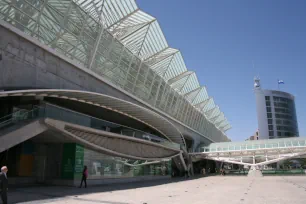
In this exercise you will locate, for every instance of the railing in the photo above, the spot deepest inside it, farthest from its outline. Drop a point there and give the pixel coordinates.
(283, 143)
(59, 113)
(66, 115)
(283, 172)
(18, 116)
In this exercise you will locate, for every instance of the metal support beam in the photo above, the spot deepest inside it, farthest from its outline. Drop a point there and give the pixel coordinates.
(146, 24)
(166, 70)
(202, 104)
(208, 112)
(196, 90)
(96, 47)
(213, 119)
(179, 77)
(213, 116)
(122, 19)
(181, 88)
(219, 123)
(183, 161)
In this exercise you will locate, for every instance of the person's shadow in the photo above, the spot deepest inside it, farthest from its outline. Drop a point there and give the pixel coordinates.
(44, 194)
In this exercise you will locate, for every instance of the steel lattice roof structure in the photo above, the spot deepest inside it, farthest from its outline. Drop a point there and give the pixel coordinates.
(265, 151)
(122, 43)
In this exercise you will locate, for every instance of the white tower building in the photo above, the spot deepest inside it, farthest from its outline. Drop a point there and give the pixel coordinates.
(276, 113)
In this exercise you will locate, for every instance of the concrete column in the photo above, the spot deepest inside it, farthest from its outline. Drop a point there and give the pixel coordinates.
(195, 144)
(278, 164)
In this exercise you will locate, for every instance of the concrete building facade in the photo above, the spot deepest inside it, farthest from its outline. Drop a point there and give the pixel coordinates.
(96, 82)
(276, 113)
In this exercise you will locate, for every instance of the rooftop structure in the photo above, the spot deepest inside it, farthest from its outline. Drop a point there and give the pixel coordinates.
(261, 152)
(117, 40)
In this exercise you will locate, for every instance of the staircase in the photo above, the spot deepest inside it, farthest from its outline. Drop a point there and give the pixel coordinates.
(25, 124)
(19, 127)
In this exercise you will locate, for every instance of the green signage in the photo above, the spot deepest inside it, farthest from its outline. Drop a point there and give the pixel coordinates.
(72, 161)
(79, 161)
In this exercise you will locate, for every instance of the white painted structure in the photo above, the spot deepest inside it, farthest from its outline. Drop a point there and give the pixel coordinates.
(253, 153)
(276, 113)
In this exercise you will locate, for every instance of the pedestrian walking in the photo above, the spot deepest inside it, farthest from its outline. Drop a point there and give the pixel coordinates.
(84, 177)
(3, 184)
(222, 172)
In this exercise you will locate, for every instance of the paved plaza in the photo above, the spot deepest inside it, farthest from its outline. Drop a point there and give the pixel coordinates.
(208, 190)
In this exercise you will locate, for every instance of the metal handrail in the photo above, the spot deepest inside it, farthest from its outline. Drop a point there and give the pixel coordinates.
(43, 113)
(88, 116)
(14, 118)
(6, 116)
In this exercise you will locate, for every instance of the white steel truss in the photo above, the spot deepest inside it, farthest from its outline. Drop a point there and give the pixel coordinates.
(119, 41)
(253, 153)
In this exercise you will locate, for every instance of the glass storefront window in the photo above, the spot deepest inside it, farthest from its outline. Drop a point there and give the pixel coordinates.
(101, 166)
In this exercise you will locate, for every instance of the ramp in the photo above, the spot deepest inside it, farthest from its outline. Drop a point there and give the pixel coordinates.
(112, 143)
(19, 133)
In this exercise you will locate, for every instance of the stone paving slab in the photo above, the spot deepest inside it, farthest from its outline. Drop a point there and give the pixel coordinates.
(208, 190)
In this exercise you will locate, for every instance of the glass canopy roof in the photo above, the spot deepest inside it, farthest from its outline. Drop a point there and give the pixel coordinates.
(141, 33)
(255, 145)
(138, 31)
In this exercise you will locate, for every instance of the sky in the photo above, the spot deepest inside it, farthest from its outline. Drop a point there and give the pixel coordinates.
(228, 42)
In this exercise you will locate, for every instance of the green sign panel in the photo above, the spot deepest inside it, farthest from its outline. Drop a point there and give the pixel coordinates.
(79, 161)
(72, 161)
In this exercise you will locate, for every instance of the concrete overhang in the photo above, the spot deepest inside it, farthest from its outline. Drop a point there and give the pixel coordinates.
(139, 113)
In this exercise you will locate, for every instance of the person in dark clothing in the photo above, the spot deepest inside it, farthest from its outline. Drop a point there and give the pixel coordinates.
(84, 177)
(3, 184)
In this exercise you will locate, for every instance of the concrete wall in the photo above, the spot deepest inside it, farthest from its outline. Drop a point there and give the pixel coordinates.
(27, 64)
(263, 131)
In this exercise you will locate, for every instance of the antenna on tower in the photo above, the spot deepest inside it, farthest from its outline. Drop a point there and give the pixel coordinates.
(256, 78)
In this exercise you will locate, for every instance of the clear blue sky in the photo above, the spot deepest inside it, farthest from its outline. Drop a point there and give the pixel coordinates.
(219, 39)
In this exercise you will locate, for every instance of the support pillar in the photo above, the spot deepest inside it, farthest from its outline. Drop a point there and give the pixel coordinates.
(277, 165)
(183, 161)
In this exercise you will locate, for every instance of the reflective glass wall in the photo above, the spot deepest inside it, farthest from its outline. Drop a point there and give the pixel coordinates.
(103, 166)
(281, 115)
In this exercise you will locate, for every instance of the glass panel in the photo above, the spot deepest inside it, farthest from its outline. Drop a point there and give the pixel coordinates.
(302, 143)
(102, 166)
(281, 144)
(72, 28)
(288, 144)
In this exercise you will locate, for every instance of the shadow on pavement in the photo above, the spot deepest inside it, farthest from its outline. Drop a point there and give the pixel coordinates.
(45, 194)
